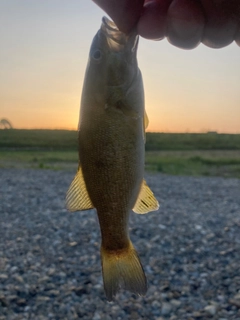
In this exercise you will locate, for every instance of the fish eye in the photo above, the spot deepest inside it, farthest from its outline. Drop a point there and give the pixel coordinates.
(97, 55)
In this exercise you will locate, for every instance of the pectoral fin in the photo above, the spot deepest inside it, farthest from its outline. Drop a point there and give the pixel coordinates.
(146, 201)
(77, 197)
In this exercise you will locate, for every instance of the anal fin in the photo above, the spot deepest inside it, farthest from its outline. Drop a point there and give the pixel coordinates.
(77, 197)
(146, 201)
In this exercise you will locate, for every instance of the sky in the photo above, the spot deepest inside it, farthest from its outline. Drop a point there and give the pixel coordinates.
(44, 52)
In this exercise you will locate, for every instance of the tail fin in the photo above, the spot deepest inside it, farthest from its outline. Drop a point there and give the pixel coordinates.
(122, 269)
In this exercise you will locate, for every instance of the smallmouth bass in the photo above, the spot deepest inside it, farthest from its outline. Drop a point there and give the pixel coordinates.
(111, 154)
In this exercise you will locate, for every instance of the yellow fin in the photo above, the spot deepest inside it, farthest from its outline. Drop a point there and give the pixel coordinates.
(122, 268)
(77, 197)
(146, 201)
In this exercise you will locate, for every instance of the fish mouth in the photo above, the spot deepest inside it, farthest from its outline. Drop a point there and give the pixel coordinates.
(117, 40)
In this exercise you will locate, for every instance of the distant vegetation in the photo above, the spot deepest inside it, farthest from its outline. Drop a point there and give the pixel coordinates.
(209, 154)
(38, 139)
(5, 124)
(67, 140)
(192, 141)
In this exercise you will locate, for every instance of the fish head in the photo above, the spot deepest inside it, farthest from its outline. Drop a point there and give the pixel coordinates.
(120, 50)
(112, 66)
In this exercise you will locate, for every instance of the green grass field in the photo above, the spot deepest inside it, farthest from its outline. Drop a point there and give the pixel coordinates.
(225, 163)
(178, 154)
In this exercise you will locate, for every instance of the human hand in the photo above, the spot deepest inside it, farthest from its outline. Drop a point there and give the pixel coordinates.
(185, 23)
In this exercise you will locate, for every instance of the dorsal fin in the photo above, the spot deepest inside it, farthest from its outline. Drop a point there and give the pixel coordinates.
(145, 124)
(77, 197)
(146, 120)
(146, 201)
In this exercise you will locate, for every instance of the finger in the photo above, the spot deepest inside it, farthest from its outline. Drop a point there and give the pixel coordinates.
(153, 21)
(124, 13)
(221, 22)
(237, 37)
(185, 23)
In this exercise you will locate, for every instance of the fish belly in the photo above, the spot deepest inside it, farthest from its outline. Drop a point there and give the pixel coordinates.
(112, 159)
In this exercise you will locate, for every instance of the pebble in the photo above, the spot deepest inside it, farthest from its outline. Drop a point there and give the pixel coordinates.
(211, 310)
(166, 309)
(50, 264)
(175, 303)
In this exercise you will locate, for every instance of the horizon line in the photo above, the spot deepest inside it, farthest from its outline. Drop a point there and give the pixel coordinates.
(152, 131)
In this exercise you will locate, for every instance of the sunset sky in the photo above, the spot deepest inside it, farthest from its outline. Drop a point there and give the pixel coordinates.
(44, 52)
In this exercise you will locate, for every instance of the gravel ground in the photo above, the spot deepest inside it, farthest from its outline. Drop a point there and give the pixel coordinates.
(50, 263)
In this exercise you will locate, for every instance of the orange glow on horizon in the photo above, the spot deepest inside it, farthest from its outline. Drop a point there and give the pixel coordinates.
(149, 129)
(159, 120)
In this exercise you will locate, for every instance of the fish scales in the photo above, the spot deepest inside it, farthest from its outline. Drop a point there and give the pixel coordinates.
(111, 154)
(112, 181)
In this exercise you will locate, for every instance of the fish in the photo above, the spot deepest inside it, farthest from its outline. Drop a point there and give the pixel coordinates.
(111, 140)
